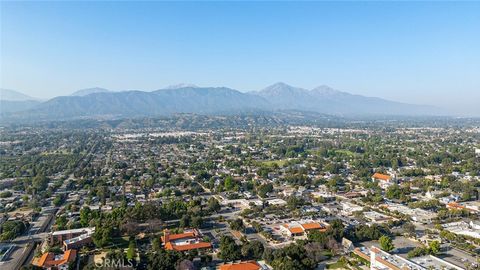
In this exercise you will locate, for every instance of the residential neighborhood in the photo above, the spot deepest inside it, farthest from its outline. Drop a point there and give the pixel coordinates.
(286, 197)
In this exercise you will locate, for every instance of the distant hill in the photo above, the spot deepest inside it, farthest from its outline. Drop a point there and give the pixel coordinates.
(324, 99)
(14, 101)
(101, 103)
(88, 91)
(8, 106)
(12, 95)
(181, 85)
(139, 103)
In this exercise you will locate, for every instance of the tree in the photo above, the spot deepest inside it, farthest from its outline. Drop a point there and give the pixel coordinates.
(386, 243)
(397, 192)
(417, 252)
(196, 222)
(131, 250)
(185, 221)
(229, 183)
(229, 251)
(434, 247)
(237, 224)
(257, 226)
(253, 250)
(163, 259)
(102, 235)
(6, 194)
(213, 205)
(318, 237)
(11, 229)
(294, 202)
(58, 200)
(293, 256)
(156, 245)
(336, 229)
(40, 182)
(409, 228)
(61, 222)
(264, 189)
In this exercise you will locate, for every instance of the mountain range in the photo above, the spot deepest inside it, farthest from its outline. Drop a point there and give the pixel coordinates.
(14, 101)
(103, 103)
(88, 91)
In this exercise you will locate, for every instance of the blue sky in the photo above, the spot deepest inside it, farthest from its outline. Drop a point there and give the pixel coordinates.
(416, 52)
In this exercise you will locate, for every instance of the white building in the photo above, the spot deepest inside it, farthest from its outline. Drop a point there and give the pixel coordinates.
(463, 228)
(349, 208)
(384, 181)
(417, 214)
(376, 217)
(381, 260)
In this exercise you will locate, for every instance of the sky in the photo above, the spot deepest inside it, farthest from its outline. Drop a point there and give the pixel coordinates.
(414, 52)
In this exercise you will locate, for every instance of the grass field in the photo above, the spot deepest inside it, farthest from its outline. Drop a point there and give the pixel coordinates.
(270, 163)
(345, 152)
(337, 265)
(339, 152)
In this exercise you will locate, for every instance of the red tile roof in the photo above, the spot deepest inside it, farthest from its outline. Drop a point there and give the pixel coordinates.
(199, 245)
(312, 226)
(296, 230)
(47, 259)
(173, 237)
(380, 176)
(249, 265)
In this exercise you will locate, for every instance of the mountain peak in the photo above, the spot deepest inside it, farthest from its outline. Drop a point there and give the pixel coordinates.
(325, 89)
(12, 95)
(280, 84)
(281, 88)
(88, 91)
(181, 85)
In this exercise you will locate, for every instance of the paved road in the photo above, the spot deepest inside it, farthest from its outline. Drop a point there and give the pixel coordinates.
(459, 257)
(20, 251)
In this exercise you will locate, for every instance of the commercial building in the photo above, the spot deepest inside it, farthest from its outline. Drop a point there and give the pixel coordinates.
(381, 260)
(471, 229)
(78, 242)
(186, 241)
(247, 265)
(60, 236)
(384, 181)
(416, 214)
(349, 208)
(51, 261)
(376, 217)
(301, 228)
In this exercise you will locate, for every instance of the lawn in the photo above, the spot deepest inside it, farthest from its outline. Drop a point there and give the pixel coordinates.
(337, 265)
(270, 163)
(121, 242)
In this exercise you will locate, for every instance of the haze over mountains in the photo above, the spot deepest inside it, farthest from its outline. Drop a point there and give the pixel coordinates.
(14, 101)
(103, 103)
(88, 91)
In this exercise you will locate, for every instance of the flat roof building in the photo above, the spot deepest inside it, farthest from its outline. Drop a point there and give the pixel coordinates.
(381, 260)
